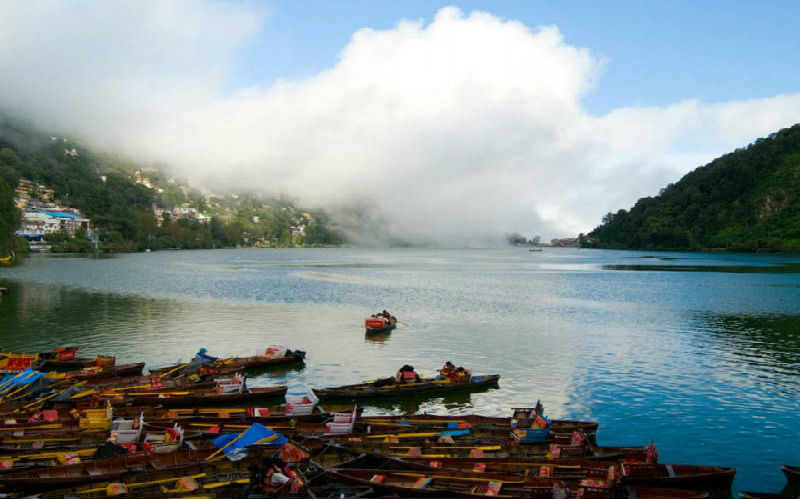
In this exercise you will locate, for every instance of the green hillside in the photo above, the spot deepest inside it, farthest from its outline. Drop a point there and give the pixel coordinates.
(134, 206)
(748, 200)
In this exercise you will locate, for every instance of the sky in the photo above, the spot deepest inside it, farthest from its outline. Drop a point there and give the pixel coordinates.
(453, 122)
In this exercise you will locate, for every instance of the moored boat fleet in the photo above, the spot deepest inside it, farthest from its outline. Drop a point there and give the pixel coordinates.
(88, 428)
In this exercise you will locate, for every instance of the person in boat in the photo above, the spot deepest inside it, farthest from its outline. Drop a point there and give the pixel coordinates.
(296, 484)
(406, 375)
(447, 371)
(462, 375)
(199, 360)
(274, 479)
(202, 354)
(110, 449)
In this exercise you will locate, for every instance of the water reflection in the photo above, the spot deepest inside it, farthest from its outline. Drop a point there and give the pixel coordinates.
(378, 338)
(776, 269)
(768, 344)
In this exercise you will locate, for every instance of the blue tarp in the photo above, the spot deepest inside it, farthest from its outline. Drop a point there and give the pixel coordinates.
(454, 432)
(24, 377)
(257, 434)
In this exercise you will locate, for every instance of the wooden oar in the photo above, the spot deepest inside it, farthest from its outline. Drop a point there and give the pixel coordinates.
(175, 369)
(403, 323)
(148, 483)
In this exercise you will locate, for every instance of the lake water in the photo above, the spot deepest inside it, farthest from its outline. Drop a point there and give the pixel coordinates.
(697, 352)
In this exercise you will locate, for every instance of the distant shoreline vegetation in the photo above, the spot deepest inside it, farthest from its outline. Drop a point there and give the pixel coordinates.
(744, 201)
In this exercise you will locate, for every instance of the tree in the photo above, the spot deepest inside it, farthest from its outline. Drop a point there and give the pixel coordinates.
(516, 239)
(9, 219)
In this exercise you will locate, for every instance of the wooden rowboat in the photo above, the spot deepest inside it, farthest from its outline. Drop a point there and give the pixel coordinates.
(692, 477)
(388, 327)
(190, 397)
(425, 386)
(107, 371)
(792, 474)
(233, 365)
(460, 484)
(475, 421)
(64, 476)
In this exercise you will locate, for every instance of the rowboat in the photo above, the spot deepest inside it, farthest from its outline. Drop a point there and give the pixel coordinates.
(64, 358)
(48, 478)
(379, 324)
(186, 397)
(228, 484)
(424, 386)
(557, 468)
(678, 476)
(264, 415)
(415, 483)
(759, 494)
(102, 372)
(475, 421)
(196, 478)
(273, 355)
(340, 457)
(792, 474)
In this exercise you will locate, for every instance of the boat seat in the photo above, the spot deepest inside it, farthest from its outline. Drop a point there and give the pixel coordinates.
(670, 471)
(343, 422)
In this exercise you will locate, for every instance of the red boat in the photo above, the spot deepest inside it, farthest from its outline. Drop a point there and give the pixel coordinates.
(378, 323)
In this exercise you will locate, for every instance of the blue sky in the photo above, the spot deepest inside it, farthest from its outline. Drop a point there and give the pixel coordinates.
(657, 53)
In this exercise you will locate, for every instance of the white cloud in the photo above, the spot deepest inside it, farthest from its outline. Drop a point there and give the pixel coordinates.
(466, 126)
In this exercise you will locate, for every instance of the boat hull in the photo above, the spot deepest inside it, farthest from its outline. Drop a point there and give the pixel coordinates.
(427, 387)
(388, 328)
(239, 364)
(690, 477)
(792, 474)
(207, 398)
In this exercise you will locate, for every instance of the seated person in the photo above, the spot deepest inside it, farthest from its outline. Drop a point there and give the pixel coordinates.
(462, 374)
(406, 375)
(447, 371)
(202, 355)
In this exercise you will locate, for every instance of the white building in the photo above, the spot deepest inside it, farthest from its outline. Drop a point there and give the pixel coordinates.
(37, 224)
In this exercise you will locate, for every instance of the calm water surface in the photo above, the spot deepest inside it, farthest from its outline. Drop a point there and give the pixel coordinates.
(698, 352)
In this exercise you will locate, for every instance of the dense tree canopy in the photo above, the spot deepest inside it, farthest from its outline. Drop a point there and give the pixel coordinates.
(748, 200)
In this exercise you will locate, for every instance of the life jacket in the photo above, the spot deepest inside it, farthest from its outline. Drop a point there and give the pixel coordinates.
(445, 372)
(409, 376)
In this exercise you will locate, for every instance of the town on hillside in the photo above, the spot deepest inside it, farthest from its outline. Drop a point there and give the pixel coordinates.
(127, 208)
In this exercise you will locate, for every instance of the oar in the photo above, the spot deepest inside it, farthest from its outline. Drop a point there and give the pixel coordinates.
(403, 323)
(175, 369)
(38, 401)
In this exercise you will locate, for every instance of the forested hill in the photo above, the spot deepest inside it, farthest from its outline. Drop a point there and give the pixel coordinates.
(135, 206)
(748, 200)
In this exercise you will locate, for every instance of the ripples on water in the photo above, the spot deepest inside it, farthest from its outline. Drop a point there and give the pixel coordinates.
(698, 352)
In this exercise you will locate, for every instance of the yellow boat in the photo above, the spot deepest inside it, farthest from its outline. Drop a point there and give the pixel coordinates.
(5, 260)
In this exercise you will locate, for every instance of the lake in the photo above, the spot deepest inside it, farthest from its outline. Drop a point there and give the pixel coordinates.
(698, 352)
